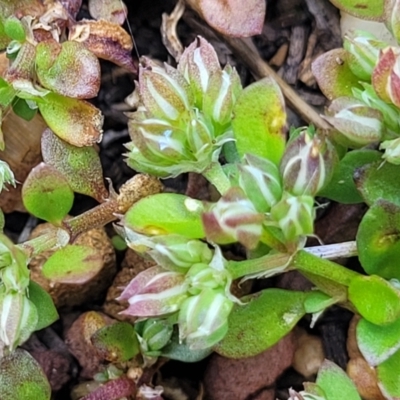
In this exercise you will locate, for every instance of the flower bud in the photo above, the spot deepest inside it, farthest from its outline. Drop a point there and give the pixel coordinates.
(386, 76)
(307, 164)
(357, 124)
(154, 292)
(172, 252)
(390, 113)
(203, 319)
(233, 218)
(6, 176)
(198, 63)
(260, 180)
(18, 318)
(223, 89)
(364, 52)
(295, 215)
(164, 91)
(156, 333)
(392, 151)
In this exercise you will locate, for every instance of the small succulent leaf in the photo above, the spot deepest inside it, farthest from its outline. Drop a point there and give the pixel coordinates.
(378, 181)
(233, 17)
(46, 194)
(114, 389)
(180, 351)
(80, 166)
(378, 240)
(260, 323)
(116, 342)
(376, 342)
(334, 75)
(381, 76)
(76, 121)
(393, 20)
(317, 301)
(259, 121)
(43, 302)
(156, 333)
(22, 378)
(7, 93)
(68, 69)
(392, 151)
(364, 9)
(73, 264)
(23, 109)
(105, 40)
(4, 38)
(389, 377)
(335, 383)
(114, 11)
(167, 213)
(342, 187)
(375, 299)
(14, 29)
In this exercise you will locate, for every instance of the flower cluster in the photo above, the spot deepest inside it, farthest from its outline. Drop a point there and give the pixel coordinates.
(185, 113)
(190, 281)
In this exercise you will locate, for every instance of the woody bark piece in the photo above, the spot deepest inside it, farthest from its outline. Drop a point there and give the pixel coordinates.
(297, 48)
(22, 149)
(67, 295)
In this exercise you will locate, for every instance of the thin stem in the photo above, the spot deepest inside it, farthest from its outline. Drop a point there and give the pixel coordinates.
(50, 240)
(311, 260)
(306, 262)
(216, 175)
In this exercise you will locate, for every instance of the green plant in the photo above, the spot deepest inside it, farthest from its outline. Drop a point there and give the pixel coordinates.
(189, 119)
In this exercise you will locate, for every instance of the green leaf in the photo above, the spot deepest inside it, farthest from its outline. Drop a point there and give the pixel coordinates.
(376, 342)
(375, 299)
(389, 377)
(42, 300)
(73, 264)
(46, 194)
(180, 351)
(335, 383)
(333, 74)
(7, 93)
(317, 301)
(259, 121)
(379, 181)
(4, 39)
(117, 342)
(76, 121)
(378, 240)
(366, 9)
(22, 378)
(262, 322)
(22, 109)
(342, 187)
(14, 29)
(167, 213)
(80, 166)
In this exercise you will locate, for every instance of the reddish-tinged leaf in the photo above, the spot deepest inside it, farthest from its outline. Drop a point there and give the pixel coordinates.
(73, 264)
(106, 40)
(72, 6)
(366, 9)
(381, 73)
(113, 390)
(22, 378)
(75, 121)
(114, 11)
(69, 69)
(234, 17)
(46, 194)
(80, 165)
(334, 75)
